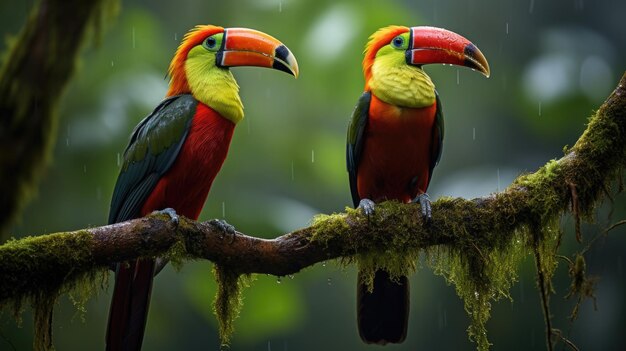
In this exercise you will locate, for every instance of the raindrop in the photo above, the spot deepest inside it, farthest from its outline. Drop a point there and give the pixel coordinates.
(67, 141)
(133, 37)
(269, 346)
(292, 173)
(507, 27)
(329, 281)
(223, 209)
(324, 264)
(84, 168)
(280, 6)
(474, 133)
(112, 64)
(498, 175)
(531, 7)
(312, 156)
(539, 108)
(457, 77)
(119, 159)
(175, 36)
(278, 280)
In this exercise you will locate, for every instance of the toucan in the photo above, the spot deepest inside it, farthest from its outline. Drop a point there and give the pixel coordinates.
(394, 142)
(175, 152)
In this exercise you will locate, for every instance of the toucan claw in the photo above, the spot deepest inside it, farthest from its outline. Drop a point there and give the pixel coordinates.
(424, 201)
(225, 228)
(173, 215)
(367, 206)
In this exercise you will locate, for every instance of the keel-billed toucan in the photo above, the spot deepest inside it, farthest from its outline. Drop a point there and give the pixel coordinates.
(175, 152)
(394, 143)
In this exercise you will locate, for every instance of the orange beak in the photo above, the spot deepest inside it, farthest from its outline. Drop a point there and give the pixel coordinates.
(437, 45)
(248, 47)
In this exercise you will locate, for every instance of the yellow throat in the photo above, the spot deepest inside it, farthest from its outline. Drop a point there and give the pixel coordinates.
(213, 86)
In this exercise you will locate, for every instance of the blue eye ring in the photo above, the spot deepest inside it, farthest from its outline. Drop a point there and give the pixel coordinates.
(398, 42)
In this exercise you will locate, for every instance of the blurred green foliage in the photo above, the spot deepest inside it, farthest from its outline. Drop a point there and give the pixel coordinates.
(552, 64)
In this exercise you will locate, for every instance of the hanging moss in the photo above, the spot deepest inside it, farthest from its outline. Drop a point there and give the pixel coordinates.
(228, 300)
(59, 264)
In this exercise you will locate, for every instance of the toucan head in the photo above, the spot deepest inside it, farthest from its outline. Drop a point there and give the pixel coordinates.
(417, 46)
(208, 49)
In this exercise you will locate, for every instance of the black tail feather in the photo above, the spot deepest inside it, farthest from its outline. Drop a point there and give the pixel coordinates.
(383, 314)
(129, 307)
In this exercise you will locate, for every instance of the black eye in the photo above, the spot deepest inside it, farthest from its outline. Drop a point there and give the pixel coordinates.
(210, 42)
(398, 42)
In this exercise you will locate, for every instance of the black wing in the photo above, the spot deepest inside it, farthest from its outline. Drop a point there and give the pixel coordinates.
(436, 146)
(354, 146)
(153, 148)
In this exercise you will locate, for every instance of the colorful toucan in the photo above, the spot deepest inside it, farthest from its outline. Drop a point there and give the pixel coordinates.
(175, 152)
(394, 143)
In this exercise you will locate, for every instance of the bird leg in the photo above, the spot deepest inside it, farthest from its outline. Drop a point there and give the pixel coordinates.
(172, 213)
(367, 206)
(224, 227)
(424, 201)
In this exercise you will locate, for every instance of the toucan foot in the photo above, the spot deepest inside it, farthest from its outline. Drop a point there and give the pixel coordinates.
(367, 206)
(225, 228)
(172, 213)
(424, 201)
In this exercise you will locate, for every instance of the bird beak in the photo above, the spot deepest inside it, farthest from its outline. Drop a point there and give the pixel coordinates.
(437, 45)
(248, 47)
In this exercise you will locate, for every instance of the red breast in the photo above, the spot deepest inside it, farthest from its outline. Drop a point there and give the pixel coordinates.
(396, 155)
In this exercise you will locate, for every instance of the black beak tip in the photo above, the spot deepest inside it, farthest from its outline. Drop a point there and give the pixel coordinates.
(474, 59)
(281, 55)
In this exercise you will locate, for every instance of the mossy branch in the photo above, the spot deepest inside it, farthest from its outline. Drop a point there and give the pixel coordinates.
(475, 243)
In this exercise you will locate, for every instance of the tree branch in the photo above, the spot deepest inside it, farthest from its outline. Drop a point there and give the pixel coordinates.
(47, 263)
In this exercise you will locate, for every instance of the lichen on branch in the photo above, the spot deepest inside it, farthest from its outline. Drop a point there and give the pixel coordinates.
(475, 244)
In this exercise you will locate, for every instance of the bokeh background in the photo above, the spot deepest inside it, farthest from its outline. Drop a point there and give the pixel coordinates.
(552, 64)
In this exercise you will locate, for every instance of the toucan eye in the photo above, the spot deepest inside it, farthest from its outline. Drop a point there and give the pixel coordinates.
(210, 42)
(214, 42)
(398, 42)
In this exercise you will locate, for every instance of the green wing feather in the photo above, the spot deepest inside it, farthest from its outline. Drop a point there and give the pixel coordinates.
(354, 146)
(153, 148)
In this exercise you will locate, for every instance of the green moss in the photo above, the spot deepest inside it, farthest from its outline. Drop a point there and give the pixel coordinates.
(327, 227)
(228, 300)
(177, 255)
(480, 274)
(58, 264)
